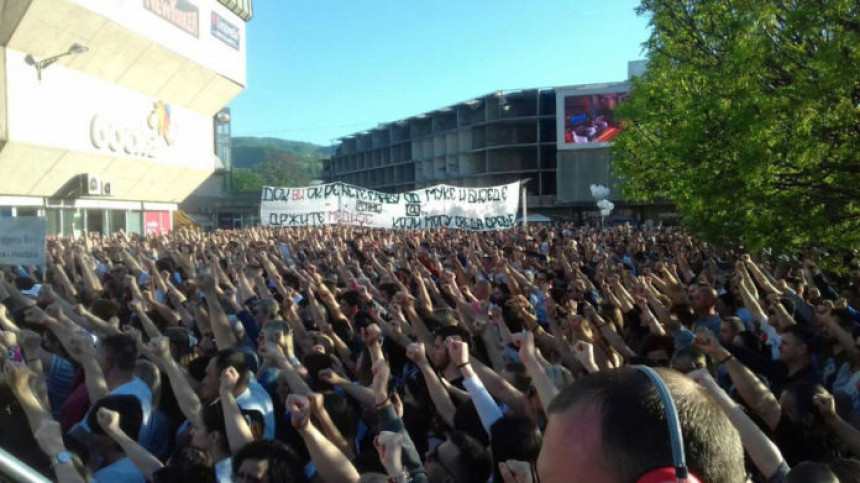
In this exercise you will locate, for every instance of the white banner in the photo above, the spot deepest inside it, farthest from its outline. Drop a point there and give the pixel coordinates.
(440, 206)
(22, 241)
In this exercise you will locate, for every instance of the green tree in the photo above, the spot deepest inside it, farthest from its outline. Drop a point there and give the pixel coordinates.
(288, 169)
(246, 180)
(748, 119)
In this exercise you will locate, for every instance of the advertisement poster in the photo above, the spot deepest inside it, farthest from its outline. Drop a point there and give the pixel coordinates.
(156, 222)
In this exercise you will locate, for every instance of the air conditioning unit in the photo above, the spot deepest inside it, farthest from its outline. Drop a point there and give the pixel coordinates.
(92, 184)
(107, 189)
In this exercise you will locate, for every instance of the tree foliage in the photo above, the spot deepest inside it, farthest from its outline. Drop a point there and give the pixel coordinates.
(246, 180)
(284, 169)
(748, 119)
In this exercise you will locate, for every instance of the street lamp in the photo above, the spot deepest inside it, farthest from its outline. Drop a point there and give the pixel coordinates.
(40, 65)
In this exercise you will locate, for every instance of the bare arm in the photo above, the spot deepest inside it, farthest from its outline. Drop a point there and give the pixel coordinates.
(331, 463)
(83, 351)
(545, 389)
(329, 429)
(187, 399)
(764, 453)
(847, 433)
(362, 394)
(238, 432)
(750, 388)
(763, 281)
(224, 336)
(145, 462)
(274, 352)
(440, 397)
(91, 281)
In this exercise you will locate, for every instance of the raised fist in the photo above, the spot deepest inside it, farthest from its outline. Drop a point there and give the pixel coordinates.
(299, 408)
(416, 353)
(108, 420)
(525, 342)
(825, 405)
(371, 335)
(229, 379)
(707, 342)
(331, 377)
(160, 348)
(457, 350)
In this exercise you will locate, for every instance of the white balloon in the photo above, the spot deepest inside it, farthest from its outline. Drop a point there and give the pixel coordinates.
(599, 191)
(605, 205)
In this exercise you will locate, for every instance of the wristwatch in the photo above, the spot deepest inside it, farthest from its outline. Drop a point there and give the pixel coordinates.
(61, 458)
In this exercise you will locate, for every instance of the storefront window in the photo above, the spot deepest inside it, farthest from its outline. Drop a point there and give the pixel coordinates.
(134, 222)
(96, 221)
(27, 212)
(53, 226)
(117, 221)
(73, 218)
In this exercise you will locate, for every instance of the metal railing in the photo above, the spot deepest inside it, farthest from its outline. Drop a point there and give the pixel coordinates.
(13, 469)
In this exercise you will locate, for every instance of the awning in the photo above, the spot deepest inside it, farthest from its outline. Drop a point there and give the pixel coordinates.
(182, 219)
(535, 218)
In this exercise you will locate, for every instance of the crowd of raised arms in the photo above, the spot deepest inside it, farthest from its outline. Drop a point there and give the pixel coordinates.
(345, 354)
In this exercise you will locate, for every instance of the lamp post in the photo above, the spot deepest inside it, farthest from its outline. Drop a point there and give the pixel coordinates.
(43, 64)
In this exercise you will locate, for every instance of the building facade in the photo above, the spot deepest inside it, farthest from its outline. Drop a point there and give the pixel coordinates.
(556, 140)
(109, 110)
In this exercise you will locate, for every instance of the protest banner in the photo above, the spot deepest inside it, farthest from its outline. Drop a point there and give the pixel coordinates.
(440, 206)
(22, 241)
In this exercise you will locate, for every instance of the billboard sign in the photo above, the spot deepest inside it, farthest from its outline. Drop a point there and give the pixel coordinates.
(587, 118)
(156, 222)
(76, 111)
(177, 25)
(180, 13)
(225, 31)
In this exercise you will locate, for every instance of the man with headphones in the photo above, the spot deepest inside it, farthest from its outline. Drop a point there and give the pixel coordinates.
(636, 424)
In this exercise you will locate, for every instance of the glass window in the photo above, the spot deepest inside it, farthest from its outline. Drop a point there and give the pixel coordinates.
(52, 222)
(69, 217)
(117, 221)
(134, 222)
(96, 221)
(28, 212)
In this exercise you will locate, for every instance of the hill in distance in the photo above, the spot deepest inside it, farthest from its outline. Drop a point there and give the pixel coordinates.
(250, 152)
(258, 162)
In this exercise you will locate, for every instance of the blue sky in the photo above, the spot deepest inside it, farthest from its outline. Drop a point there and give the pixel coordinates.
(322, 69)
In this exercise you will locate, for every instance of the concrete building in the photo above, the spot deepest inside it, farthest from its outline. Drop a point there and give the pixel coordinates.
(108, 109)
(556, 138)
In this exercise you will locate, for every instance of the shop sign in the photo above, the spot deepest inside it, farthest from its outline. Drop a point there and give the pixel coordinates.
(181, 13)
(141, 138)
(225, 31)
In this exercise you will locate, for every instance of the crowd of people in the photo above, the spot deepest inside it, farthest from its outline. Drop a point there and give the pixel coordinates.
(343, 354)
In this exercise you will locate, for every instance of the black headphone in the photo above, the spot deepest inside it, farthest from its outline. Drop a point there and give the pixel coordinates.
(679, 473)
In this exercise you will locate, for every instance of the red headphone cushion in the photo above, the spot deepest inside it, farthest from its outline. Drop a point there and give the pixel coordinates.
(664, 475)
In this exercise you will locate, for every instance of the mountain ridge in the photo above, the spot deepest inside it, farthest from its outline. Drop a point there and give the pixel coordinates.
(250, 151)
